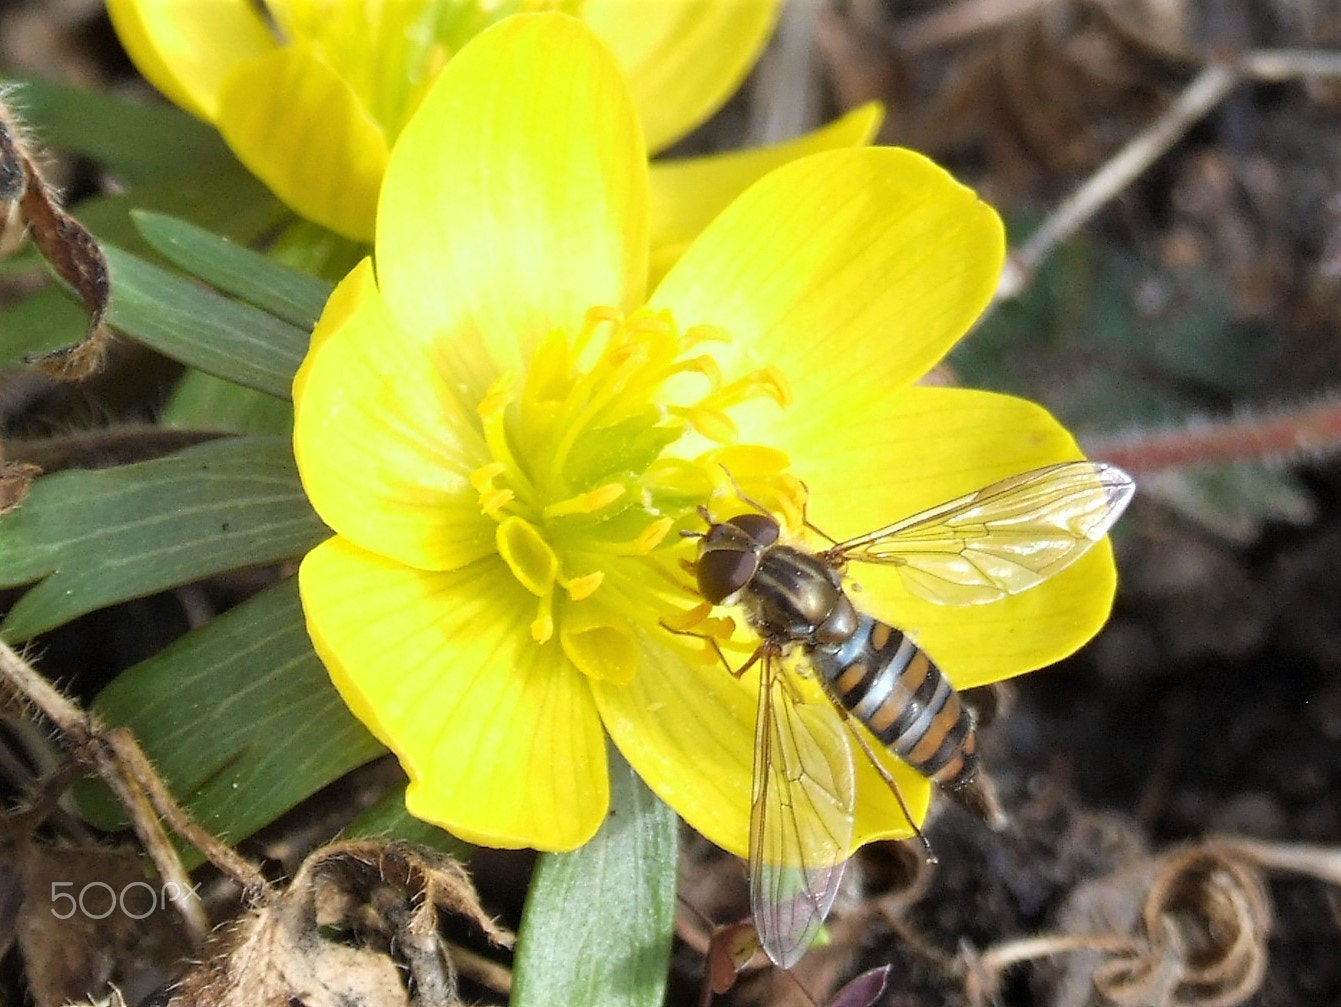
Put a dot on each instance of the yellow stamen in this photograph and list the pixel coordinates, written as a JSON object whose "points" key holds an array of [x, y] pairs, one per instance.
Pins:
{"points": [[653, 535], [582, 588], [587, 503]]}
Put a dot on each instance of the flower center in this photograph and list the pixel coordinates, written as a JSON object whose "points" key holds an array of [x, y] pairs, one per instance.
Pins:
{"points": [[580, 481]]}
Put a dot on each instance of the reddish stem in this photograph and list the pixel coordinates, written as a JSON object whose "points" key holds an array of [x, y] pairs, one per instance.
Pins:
{"points": [[1310, 430]]}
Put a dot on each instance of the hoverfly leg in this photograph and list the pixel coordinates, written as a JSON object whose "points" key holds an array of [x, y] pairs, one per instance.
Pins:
{"points": [[717, 649], [885, 775], [805, 518]]}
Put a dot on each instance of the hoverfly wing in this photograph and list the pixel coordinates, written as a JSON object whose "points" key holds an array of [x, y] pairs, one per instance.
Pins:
{"points": [[1002, 539], [801, 818]]}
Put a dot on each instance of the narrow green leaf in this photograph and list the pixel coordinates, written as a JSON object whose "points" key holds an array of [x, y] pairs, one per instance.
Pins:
{"points": [[225, 199], [388, 819], [239, 717], [139, 142], [97, 538], [597, 923], [200, 327], [203, 402], [43, 321], [295, 297]]}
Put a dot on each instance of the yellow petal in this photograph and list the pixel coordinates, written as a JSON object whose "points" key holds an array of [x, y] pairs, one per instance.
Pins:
{"points": [[500, 738], [688, 193], [688, 729], [302, 130], [516, 197], [853, 271], [922, 447], [187, 49], [384, 447], [683, 58]]}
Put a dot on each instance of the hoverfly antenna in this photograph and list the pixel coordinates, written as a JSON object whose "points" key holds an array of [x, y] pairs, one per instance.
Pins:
{"points": [[707, 519], [741, 493]]}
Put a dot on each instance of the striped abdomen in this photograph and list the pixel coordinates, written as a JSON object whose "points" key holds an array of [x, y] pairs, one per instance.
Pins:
{"points": [[892, 686]]}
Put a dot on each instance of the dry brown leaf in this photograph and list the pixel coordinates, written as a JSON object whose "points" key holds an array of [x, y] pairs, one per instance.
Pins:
{"points": [[383, 899], [90, 918], [66, 245], [15, 480], [1187, 928]]}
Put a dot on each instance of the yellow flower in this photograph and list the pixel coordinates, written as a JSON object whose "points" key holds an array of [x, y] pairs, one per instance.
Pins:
{"points": [[507, 432], [315, 116]]}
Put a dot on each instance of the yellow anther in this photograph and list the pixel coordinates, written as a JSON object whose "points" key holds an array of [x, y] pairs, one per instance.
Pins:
{"points": [[492, 502], [696, 334], [653, 535], [587, 503], [498, 396], [721, 627], [542, 626], [711, 423], [601, 314], [582, 588], [653, 322], [483, 477], [773, 383], [701, 364], [683, 622]]}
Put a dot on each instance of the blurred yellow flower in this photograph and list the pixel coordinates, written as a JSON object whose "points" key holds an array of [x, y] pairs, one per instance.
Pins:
{"points": [[506, 431], [311, 94]]}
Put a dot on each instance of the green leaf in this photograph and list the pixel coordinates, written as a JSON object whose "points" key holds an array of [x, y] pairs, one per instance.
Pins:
{"points": [[42, 321], [219, 335], [597, 923], [97, 538], [225, 198], [250, 276], [203, 402], [388, 819], [239, 717], [139, 142]]}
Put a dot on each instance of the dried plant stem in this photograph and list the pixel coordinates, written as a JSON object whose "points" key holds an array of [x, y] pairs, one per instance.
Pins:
{"points": [[1286, 64], [1322, 862], [1000, 957], [1205, 91], [479, 969], [118, 760], [959, 21], [1201, 95], [1304, 431]]}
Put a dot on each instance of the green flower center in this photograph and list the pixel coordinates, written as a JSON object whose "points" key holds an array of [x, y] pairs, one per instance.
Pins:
{"points": [[579, 478]]}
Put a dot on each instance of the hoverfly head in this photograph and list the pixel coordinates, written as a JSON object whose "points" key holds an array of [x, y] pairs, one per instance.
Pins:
{"points": [[729, 553]]}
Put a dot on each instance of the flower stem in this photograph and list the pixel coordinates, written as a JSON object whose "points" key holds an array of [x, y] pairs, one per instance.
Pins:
{"points": [[1310, 430]]}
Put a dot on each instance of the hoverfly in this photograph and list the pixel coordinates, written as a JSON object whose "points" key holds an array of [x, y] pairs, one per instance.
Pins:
{"points": [[1001, 540]]}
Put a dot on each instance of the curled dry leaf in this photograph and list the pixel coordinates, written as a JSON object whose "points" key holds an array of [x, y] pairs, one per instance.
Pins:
{"points": [[1202, 941], [64, 242], [382, 898], [15, 479], [1187, 928], [730, 950]]}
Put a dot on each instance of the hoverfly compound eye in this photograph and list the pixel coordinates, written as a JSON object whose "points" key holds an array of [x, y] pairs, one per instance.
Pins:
{"points": [[760, 527], [723, 572]]}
